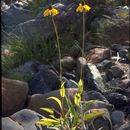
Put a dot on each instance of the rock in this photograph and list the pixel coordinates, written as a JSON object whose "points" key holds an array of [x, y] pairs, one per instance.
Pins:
{"points": [[67, 63], [97, 55], [70, 83], [69, 75], [126, 82], [100, 104], [115, 72], [9, 124], [119, 47], [28, 118], [117, 117], [81, 63], [117, 99], [40, 100], [93, 79], [123, 53], [28, 67], [19, 90], [116, 83], [45, 80], [125, 126], [104, 65], [103, 122], [13, 16], [93, 95]]}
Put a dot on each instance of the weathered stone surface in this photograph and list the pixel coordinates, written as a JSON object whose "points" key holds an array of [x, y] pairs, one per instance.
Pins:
{"points": [[97, 55], [44, 80], [117, 117], [67, 63], [117, 99], [9, 124], [102, 122], [14, 94], [13, 16], [93, 95], [93, 79], [126, 126], [28, 118]]}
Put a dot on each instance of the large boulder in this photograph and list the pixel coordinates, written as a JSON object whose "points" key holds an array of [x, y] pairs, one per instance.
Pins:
{"points": [[9, 124], [38, 101], [45, 80], [14, 94], [93, 79], [28, 118]]}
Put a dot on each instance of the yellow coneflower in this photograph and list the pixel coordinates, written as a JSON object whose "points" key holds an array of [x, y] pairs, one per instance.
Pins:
{"points": [[83, 7], [50, 12]]}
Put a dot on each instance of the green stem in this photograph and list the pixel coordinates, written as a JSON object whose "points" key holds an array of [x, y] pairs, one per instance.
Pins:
{"points": [[59, 51], [58, 43], [81, 72]]}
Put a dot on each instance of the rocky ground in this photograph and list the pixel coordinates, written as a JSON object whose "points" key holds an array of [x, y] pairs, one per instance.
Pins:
{"points": [[106, 71]]}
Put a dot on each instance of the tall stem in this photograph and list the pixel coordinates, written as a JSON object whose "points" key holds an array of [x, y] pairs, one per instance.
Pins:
{"points": [[58, 43], [81, 71]]}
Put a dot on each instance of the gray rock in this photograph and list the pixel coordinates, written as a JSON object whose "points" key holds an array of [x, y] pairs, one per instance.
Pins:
{"points": [[100, 104], [102, 122], [70, 83], [93, 95], [115, 72], [67, 63], [104, 65], [117, 117], [14, 95], [126, 82], [118, 47], [28, 118], [69, 75], [81, 63], [117, 99], [93, 79], [9, 124], [116, 83], [126, 126], [44, 81], [123, 53], [13, 16]]}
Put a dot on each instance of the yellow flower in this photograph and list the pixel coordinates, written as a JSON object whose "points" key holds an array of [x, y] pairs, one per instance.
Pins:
{"points": [[83, 7], [50, 11]]}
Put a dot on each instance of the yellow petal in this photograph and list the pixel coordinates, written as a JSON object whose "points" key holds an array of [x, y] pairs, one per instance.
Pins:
{"points": [[54, 12], [46, 12], [86, 7], [79, 8]]}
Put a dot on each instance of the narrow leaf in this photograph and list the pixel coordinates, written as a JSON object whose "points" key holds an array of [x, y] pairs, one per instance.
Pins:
{"points": [[62, 90], [57, 100], [93, 114], [49, 110]]}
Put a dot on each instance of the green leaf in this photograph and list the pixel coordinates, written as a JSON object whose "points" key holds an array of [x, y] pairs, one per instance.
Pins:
{"points": [[93, 114], [57, 100], [47, 122], [49, 110], [77, 99], [80, 84], [62, 90]]}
